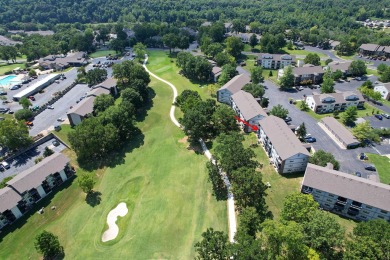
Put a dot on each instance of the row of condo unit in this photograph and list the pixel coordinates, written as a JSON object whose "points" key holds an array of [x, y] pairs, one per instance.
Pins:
{"points": [[229, 32], [347, 195], [329, 102], [369, 49], [85, 107], [338, 192], [23, 191], [61, 61], [284, 149]]}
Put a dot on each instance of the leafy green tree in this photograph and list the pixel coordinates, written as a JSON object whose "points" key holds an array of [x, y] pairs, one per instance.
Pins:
{"points": [[47, 152], [86, 182], [357, 68], [224, 58], [298, 207], [257, 75], [312, 58], [279, 111], [249, 190], [214, 245], [229, 161], [25, 102], [23, 114], [133, 96], [238, 25], [345, 48], [250, 221], [223, 120], [247, 247], [301, 131], [256, 90], [303, 106], [385, 76], [362, 248], [253, 41], [118, 45], [95, 76], [364, 131], [228, 72], [255, 27], [328, 61], [321, 158], [264, 102], [171, 40], [323, 233], [234, 46], [187, 99], [219, 188], [290, 45], [287, 80], [32, 73], [102, 102], [213, 49], [349, 116], [139, 50], [327, 85], [381, 68], [337, 75], [14, 134], [48, 244]]}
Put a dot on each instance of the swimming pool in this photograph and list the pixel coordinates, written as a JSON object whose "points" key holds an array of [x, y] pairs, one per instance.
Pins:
{"points": [[9, 80]]}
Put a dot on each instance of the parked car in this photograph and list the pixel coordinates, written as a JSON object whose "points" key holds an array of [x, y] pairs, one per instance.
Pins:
{"points": [[300, 88], [363, 156], [386, 115], [60, 119], [4, 110], [2, 92], [370, 168], [32, 98], [5, 165], [310, 140], [50, 107], [287, 119], [29, 123], [378, 116], [56, 143], [57, 127], [359, 174]]}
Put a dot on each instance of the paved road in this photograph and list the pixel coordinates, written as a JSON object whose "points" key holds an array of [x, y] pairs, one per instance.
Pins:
{"points": [[48, 118], [328, 53]]}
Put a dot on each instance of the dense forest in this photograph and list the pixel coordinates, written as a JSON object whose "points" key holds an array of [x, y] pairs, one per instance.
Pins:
{"points": [[329, 14]]}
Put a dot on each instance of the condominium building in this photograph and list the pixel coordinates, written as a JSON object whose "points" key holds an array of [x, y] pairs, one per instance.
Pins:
{"points": [[327, 103], [283, 148], [384, 89], [231, 87], [347, 195], [275, 61]]}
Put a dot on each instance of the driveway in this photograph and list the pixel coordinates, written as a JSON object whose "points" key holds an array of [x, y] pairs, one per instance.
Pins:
{"points": [[48, 118]]}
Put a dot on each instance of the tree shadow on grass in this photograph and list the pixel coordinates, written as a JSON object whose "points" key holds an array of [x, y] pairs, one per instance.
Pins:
{"points": [[93, 198], [143, 112], [45, 202]]}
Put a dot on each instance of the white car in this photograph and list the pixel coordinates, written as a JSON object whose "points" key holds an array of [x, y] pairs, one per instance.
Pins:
{"points": [[300, 88], [50, 107], [60, 119]]}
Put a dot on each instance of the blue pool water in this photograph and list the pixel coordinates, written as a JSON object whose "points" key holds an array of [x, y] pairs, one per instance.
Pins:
{"points": [[8, 80]]}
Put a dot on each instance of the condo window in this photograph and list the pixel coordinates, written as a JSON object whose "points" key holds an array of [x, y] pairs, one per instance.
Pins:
{"points": [[384, 211]]}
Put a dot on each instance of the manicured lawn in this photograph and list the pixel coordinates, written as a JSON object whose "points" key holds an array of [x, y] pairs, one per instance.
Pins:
{"points": [[382, 165], [386, 102], [303, 52], [165, 187], [350, 57], [249, 48], [101, 53], [63, 133], [10, 67], [372, 72]]}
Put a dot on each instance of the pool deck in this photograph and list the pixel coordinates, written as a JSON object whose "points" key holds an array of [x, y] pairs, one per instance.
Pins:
{"points": [[15, 80]]}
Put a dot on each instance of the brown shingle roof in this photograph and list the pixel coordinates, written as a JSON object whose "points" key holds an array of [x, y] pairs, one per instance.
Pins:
{"points": [[282, 138], [34, 176], [277, 57], [9, 198], [247, 104], [98, 91], [343, 66], [237, 83], [216, 70], [108, 83], [339, 130], [369, 47], [339, 97], [299, 71], [84, 107], [348, 186]]}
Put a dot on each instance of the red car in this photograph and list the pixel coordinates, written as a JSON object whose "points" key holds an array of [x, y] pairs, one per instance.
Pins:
{"points": [[32, 98]]}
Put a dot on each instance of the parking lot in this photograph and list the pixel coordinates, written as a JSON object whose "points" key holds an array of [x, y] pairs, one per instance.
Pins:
{"points": [[27, 159]]}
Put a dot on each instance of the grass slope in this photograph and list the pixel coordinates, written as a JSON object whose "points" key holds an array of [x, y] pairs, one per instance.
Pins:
{"points": [[166, 190], [9, 67], [104, 53], [382, 165]]}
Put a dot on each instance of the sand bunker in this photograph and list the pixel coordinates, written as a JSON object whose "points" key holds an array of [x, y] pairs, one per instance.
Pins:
{"points": [[113, 230]]}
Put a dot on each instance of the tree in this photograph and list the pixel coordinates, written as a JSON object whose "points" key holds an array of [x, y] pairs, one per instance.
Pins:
{"points": [[312, 58], [287, 80], [170, 40], [133, 96], [118, 45], [301, 131], [224, 58], [14, 134], [32, 73], [23, 114], [257, 75], [357, 68], [249, 190], [228, 72], [323, 233], [321, 158], [385, 76], [327, 85], [362, 248], [364, 131], [298, 207], [381, 68], [279, 111], [253, 41], [250, 221], [255, 27], [187, 99], [86, 182], [48, 244], [264, 102], [303, 106], [337, 75], [102, 102], [95, 76], [47, 152], [220, 190], [25, 102], [223, 120], [328, 61], [213, 49], [349, 116], [234, 46], [214, 245], [257, 91], [290, 45], [139, 50], [247, 247]]}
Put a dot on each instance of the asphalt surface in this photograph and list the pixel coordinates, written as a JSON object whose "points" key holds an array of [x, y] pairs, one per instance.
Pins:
{"points": [[27, 159]]}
